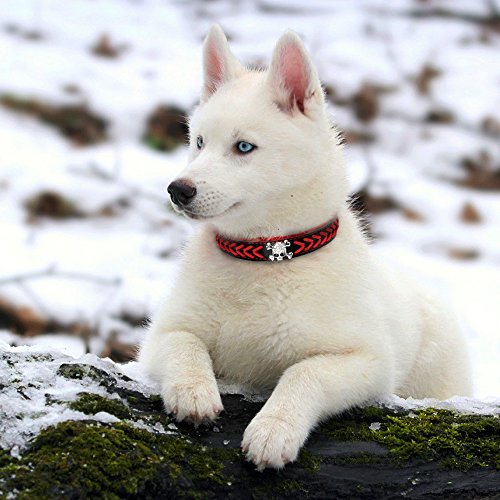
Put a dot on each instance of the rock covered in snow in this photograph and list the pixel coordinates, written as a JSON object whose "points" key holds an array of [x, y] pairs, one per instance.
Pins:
{"points": [[88, 428]]}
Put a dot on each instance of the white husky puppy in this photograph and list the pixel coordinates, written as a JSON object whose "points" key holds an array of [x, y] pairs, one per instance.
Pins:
{"points": [[326, 331]]}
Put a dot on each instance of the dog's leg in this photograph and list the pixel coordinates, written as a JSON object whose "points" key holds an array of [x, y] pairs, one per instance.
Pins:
{"points": [[307, 392], [181, 362]]}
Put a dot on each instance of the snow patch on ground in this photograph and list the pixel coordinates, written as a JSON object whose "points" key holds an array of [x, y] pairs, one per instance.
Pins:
{"points": [[458, 404], [33, 394]]}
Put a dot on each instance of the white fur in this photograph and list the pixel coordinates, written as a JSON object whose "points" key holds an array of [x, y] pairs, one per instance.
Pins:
{"points": [[326, 331]]}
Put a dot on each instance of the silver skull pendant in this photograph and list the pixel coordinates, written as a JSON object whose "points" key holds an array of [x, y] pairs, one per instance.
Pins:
{"points": [[278, 250]]}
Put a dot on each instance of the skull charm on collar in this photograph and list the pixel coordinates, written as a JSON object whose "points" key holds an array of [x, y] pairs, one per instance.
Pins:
{"points": [[278, 250]]}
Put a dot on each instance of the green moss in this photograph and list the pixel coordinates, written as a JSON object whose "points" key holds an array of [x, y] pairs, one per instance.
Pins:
{"points": [[90, 404], [81, 371], [5, 458], [156, 399], [95, 460], [166, 128], [157, 143], [39, 357], [458, 441], [310, 463], [291, 487], [88, 460], [132, 406]]}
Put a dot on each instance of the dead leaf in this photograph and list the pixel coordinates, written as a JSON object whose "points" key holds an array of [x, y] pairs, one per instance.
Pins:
{"points": [[118, 351], [364, 201], [470, 214], [490, 126], [481, 172], [21, 319], [425, 77], [439, 116], [357, 137], [463, 253], [104, 47], [365, 103], [413, 215]]}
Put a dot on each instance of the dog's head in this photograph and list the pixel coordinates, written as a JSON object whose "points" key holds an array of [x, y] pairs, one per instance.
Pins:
{"points": [[260, 141]]}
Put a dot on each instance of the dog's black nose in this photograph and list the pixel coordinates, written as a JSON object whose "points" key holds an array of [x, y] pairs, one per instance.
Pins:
{"points": [[181, 192]]}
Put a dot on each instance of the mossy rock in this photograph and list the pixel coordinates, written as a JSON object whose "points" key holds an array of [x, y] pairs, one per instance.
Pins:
{"points": [[95, 460], [138, 451]]}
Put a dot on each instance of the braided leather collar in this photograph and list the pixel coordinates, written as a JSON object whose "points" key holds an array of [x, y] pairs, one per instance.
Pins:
{"points": [[281, 247]]}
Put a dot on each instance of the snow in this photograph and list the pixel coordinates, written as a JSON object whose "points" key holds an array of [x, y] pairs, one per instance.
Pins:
{"points": [[33, 395], [66, 344], [457, 404], [103, 269]]}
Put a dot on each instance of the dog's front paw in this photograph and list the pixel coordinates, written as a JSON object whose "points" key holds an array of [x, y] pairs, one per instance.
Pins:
{"points": [[195, 400], [271, 441]]}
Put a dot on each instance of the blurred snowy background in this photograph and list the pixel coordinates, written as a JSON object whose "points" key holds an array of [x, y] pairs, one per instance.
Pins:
{"points": [[92, 95]]}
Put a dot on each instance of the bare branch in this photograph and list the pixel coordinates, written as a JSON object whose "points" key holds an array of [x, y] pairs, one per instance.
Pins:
{"points": [[98, 173], [53, 272], [490, 20]]}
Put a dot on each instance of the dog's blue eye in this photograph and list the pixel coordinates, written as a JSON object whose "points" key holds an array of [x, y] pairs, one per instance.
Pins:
{"points": [[199, 142], [244, 147]]}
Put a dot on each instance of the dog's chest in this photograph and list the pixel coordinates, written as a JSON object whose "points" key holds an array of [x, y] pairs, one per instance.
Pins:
{"points": [[267, 322]]}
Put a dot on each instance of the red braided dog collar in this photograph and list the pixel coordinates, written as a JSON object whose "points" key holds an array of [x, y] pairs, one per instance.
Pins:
{"points": [[280, 247]]}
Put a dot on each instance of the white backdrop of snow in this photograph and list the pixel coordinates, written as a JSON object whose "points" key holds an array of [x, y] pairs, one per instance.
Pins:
{"points": [[351, 43]]}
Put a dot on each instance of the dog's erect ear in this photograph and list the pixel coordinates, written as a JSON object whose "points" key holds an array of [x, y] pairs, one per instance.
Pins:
{"points": [[292, 75], [219, 64]]}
